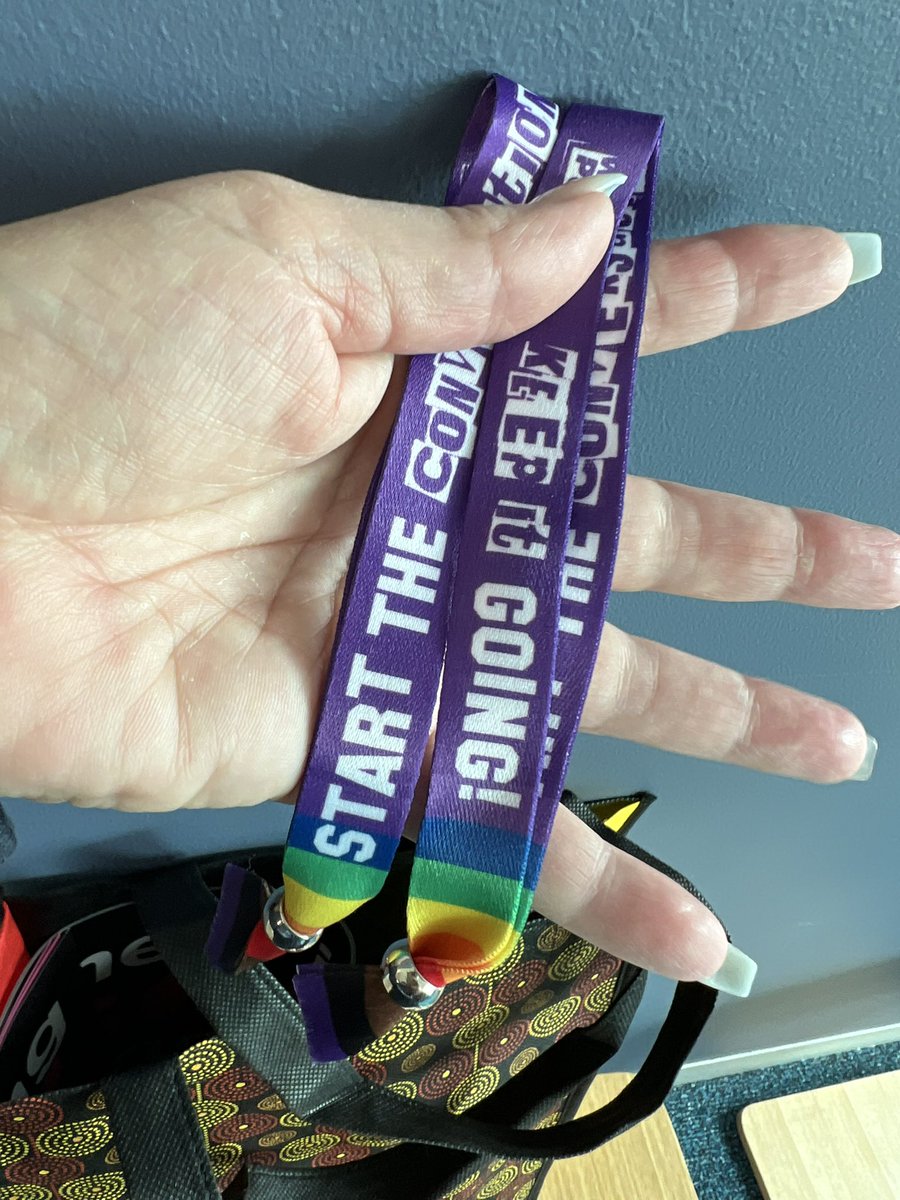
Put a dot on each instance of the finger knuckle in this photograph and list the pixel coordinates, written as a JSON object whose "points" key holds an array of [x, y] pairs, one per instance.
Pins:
{"points": [[727, 291], [744, 720], [483, 286], [777, 554], [257, 193], [631, 681], [355, 295]]}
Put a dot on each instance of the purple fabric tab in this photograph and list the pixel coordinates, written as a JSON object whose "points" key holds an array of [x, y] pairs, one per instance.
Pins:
{"points": [[312, 994], [238, 910]]}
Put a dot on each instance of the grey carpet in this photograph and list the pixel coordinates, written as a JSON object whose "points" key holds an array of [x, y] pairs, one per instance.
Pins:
{"points": [[705, 1114]]}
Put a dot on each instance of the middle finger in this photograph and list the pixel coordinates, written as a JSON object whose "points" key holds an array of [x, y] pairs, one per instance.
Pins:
{"points": [[715, 546], [744, 278]]}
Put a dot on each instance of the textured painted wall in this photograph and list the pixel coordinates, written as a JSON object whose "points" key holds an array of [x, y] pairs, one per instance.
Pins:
{"points": [[776, 112]]}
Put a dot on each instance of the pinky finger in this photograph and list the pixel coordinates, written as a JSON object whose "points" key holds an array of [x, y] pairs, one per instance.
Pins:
{"points": [[630, 909]]}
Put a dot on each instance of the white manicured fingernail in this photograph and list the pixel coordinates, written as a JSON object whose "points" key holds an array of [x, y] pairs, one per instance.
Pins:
{"points": [[607, 183], [866, 251], [868, 763], [586, 183], [736, 974]]}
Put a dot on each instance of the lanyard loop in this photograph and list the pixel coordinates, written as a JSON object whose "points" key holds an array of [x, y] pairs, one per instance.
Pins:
{"points": [[502, 483], [533, 580], [388, 654]]}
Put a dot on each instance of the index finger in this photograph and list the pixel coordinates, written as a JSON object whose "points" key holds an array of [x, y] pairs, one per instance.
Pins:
{"points": [[746, 278]]}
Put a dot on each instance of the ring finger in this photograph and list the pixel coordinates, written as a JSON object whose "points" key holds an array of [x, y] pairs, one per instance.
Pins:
{"points": [[646, 692]]}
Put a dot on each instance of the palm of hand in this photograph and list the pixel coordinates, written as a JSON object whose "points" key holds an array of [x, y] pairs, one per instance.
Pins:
{"points": [[191, 390], [177, 506]]}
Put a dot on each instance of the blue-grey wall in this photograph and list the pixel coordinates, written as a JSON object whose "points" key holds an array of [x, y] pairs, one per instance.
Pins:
{"points": [[776, 112]]}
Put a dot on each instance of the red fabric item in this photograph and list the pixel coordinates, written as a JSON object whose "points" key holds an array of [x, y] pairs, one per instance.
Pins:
{"points": [[260, 947], [13, 955]]}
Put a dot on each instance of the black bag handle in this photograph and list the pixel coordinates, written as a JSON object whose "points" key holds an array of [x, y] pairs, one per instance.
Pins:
{"points": [[256, 1016], [157, 1136], [394, 1116]]}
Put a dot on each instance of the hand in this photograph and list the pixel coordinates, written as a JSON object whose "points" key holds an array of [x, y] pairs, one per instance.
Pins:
{"points": [[191, 384]]}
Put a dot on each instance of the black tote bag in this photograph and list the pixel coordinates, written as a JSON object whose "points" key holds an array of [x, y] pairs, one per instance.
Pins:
{"points": [[141, 1072]]}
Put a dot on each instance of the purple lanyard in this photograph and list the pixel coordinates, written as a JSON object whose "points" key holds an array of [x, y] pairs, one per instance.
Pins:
{"points": [[386, 665], [502, 483], [534, 575]]}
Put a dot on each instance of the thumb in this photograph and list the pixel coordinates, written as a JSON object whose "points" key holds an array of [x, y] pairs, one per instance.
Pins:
{"points": [[410, 279]]}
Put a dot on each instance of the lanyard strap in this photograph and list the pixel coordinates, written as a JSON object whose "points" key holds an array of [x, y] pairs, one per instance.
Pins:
{"points": [[386, 665], [533, 578], [520, 524]]}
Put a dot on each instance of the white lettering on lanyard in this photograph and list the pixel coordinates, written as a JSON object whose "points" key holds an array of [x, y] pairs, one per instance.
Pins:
{"points": [[553, 723], [453, 400], [411, 582], [579, 569], [600, 440], [530, 139], [520, 529], [601, 435], [374, 737], [499, 703], [377, 723], [533, 425], [582, 161]]}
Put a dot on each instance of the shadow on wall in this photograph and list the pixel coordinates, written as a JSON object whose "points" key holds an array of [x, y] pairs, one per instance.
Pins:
{"points": [[127, 854], [58, 154], [123, 853]]}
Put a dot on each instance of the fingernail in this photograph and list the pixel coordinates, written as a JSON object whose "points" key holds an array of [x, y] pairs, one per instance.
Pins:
{"points": [[585, 183], [866, 251], [736, 974], [868, 763]]}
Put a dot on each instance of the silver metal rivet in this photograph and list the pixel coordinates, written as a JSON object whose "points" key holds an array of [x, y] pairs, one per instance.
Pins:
{"points": [[281, 933], [403, 981]]}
